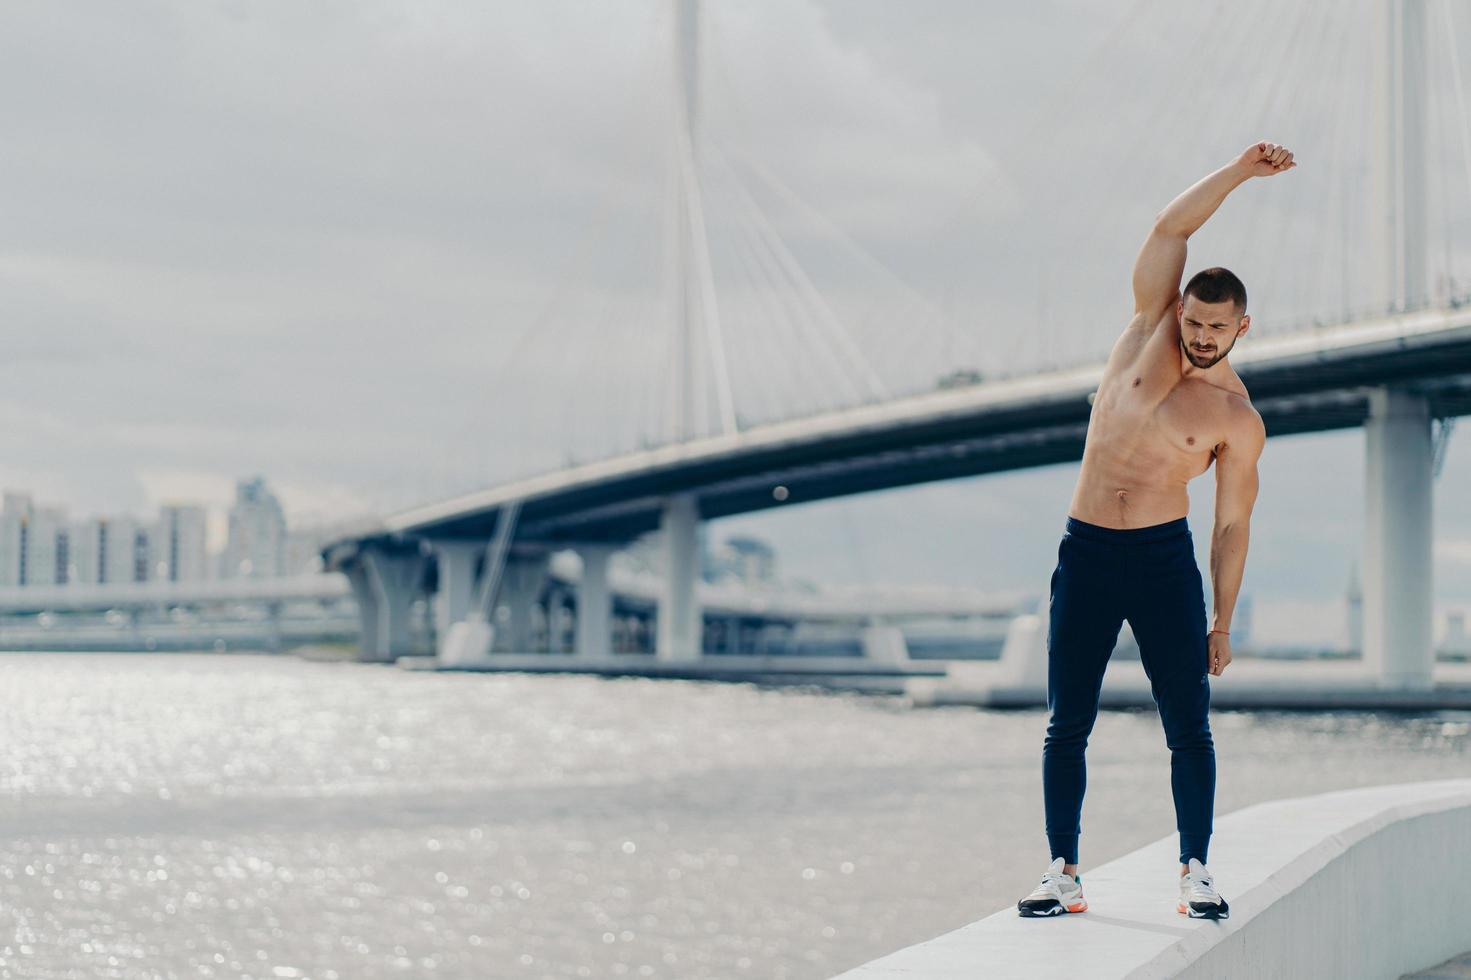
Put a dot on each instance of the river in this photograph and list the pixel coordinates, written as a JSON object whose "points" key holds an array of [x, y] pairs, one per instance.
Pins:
{"points": [[175, 815]]}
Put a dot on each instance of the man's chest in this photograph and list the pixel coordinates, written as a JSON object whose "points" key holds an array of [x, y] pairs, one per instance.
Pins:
{"points": [[1187, 420], [1189, 417]]}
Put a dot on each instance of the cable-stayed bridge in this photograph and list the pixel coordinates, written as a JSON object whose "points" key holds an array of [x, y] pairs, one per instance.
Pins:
{"points": [[750, 301]]}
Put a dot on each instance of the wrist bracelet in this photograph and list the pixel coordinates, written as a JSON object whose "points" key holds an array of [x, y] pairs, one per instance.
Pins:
{"points": [[1224, 632]]}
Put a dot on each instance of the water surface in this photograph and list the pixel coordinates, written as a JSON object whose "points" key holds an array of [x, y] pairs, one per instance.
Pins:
{"points": [[264, 817]]}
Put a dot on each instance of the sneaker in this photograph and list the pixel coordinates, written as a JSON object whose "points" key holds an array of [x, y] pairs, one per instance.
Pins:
{"points": [[1198, 896], [1058, 893]]}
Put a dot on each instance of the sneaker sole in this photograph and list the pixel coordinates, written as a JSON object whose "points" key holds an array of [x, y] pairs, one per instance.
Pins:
{"points": [[1211, 913], [1053, 911]]}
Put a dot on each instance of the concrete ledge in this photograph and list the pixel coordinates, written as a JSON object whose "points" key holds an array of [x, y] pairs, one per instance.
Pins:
{"points": [[1355, 883], [837, 673], [1247, 683], [715, 665]]}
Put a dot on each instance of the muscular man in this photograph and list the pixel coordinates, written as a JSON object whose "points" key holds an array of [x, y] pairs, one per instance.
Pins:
{"points": [[1168, 405]]}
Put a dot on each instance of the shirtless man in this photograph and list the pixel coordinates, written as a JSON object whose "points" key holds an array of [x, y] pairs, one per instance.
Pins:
{"points": [[1169, 403]]}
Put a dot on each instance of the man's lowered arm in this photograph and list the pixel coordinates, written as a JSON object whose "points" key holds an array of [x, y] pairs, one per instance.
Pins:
{"points": [[1236, 491]]}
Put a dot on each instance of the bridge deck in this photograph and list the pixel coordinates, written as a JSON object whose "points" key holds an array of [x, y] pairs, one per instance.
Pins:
{"points": [[1313, 380]]}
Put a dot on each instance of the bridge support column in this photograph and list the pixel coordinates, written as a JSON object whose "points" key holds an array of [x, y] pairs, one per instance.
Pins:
{"points": [[520, 590], [1398, 612], [680, 626], [594, 603], [392, 583], [559, 612], [274, 640], [456, 560], [367, 604]]}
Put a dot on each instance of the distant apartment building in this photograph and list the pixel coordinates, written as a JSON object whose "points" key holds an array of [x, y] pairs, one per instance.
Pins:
{"points": [[63, 554], [15, 515], [178, 543], [110, 550], [751, 560], [35, 542], [256, 547], [741, 558], [44, 547], [1456, 641], [1355, 605]]}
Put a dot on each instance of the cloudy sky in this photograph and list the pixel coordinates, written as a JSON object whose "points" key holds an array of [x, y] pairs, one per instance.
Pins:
{"points": [[386, 251]]}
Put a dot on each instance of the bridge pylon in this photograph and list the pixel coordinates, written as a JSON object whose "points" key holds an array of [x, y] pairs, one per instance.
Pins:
{"points": [[1398, 610], [697, 346]]}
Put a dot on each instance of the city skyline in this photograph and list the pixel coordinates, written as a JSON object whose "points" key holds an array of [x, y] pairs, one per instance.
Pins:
{"points": [[41, 544]]}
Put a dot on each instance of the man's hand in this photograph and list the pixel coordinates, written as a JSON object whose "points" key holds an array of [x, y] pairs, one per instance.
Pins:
{"points": [[1265, 159], [1218, 652]]}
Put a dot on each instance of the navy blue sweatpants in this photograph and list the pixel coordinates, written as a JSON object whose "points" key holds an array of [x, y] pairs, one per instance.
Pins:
{"points": [[1148, 576]]}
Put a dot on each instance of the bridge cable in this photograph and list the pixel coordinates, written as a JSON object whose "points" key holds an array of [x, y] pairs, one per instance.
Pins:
{"points": [[497, 550], [763, 306], [1439, 148], [765, 288], [709, 313], [824, 315], [786, 287], [1462, 116], [1336, 208], [1282, 202], [1442, 444], [857, 251]]}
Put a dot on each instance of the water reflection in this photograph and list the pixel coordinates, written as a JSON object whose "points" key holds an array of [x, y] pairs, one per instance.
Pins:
{"points": [[268, 817]]}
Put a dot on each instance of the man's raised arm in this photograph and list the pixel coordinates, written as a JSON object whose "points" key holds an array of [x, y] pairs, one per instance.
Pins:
{"points": [[1161, 261]]}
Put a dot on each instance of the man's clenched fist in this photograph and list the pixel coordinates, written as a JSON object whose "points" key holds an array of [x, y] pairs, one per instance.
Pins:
{"points": [[1265, 159]]}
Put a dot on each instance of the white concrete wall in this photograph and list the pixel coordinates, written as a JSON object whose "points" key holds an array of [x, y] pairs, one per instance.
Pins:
{"points": [[1357, 883]]}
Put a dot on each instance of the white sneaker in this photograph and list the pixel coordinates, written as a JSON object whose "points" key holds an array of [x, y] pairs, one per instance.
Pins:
{"points": [[1058, 893], [1198, 896]]}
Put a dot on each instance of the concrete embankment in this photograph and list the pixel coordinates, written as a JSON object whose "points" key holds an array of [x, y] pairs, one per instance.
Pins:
{"points": [[1354, 883]]}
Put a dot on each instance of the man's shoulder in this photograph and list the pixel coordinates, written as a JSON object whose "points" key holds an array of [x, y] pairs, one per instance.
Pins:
{"points": [[1244, 425]]}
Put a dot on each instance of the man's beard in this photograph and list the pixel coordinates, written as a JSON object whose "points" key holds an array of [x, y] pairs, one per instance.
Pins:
{"points": [[1203, 361]]}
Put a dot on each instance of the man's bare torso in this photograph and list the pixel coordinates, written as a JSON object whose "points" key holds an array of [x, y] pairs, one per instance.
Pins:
{"points": [[1157, 423]]}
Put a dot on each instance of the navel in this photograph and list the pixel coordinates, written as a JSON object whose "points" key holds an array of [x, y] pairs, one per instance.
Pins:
{"points": [[1136, 382]]}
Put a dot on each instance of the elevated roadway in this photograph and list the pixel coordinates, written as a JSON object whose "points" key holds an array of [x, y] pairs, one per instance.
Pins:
{"points": [[1309, 381], [1392, 375]]}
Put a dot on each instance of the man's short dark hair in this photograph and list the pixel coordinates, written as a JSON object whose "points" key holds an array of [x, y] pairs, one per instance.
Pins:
{"points": [[1216, 285]]}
